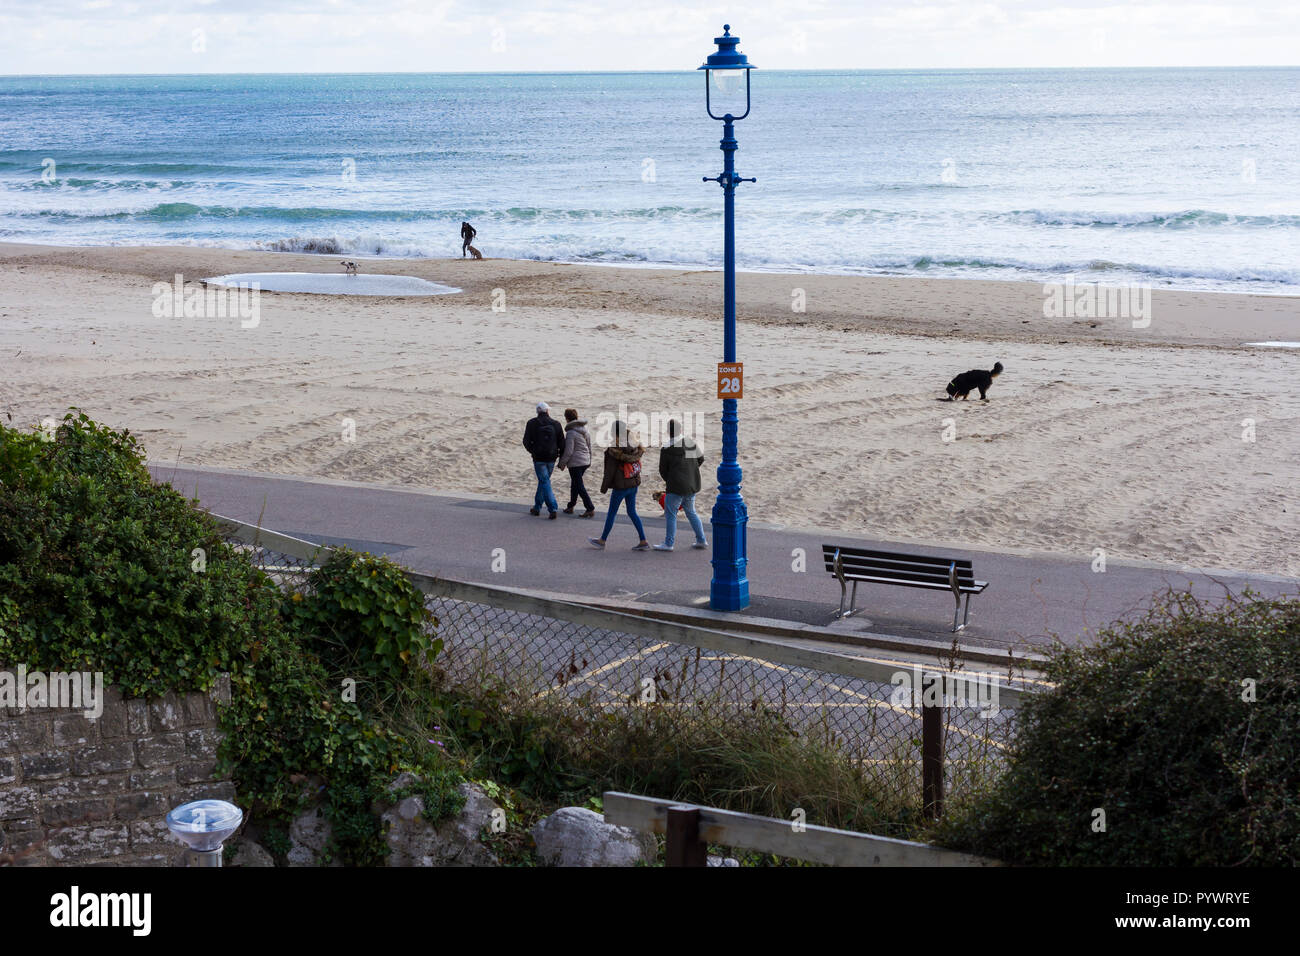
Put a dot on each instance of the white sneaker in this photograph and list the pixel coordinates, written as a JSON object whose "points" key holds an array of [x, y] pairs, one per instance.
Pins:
{"points": [[596, 542], [663, 547], [700, 545]]}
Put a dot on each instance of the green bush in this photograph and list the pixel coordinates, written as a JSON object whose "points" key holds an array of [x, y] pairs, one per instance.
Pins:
{"points": [[96, 565], [365, 617], [1155, 724], [99, 571]]}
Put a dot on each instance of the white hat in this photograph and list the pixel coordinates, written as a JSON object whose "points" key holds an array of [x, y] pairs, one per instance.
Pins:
{"points": [[543, 407]]}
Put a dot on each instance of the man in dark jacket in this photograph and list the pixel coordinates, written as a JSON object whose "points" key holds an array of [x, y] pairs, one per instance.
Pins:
{"points": [[544, 439], [679, 467]]}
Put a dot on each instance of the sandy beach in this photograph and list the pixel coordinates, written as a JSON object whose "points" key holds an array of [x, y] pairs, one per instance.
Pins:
{"points": [[1098, 435]]}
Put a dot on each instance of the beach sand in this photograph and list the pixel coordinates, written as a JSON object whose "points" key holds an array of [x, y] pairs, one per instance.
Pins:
{"points": [[1098, 435]]}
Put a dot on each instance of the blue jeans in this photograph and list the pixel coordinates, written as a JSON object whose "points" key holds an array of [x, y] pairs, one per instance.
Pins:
{"points": [[617, 497], [544, 496], [687, 502]]}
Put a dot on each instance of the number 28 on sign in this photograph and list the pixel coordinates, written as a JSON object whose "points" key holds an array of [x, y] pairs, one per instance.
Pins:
{"points": [[731, 379]]}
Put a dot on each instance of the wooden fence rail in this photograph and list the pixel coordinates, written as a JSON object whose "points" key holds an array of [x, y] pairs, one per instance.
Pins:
{"points": [[690, 829]]}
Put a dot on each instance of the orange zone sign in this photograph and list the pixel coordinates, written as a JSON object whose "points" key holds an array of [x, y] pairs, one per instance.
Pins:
{"points": [[731, 380]]}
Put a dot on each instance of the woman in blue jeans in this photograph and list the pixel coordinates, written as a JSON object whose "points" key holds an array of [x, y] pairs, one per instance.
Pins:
{"points": [[623, 477]]}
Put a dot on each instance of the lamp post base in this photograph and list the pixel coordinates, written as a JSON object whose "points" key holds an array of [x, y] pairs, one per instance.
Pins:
{"points": [[729, 595], [729, 589]]}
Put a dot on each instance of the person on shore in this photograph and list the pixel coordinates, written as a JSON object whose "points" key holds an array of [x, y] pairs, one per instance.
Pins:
{"points": [[679, 467], [467, 234], [622, 476], [577, 458], [544, 439]]}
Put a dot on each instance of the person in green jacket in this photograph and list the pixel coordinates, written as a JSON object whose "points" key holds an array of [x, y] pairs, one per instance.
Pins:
{"points": [[679, 467]]}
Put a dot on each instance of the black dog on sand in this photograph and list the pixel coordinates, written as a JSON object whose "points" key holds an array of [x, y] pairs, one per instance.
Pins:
{"points": [[976, 378]]}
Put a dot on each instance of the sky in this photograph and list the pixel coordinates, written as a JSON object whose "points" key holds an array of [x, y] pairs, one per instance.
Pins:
{"points": [[335, 36]]}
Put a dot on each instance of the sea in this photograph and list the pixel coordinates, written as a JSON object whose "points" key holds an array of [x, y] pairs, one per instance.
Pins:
{"points": [[1182, 178]]}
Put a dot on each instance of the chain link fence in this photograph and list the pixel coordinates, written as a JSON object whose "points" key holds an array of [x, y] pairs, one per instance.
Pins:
{"points": [[572, 655]]}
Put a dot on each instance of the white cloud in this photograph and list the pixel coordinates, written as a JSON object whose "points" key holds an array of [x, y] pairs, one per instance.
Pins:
{"points": [[106, 36]]}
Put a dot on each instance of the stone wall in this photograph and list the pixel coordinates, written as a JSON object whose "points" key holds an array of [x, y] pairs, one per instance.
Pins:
{"points": [[79, 790]]}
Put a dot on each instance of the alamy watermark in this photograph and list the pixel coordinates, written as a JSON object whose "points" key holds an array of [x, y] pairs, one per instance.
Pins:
{"points": [[912, 688], [75, 909], [648, 427], [194, 300], [1090, 300], [37, 690]]}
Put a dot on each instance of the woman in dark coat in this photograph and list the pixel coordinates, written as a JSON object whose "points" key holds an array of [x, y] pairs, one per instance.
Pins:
{"points": [[622, 476]]}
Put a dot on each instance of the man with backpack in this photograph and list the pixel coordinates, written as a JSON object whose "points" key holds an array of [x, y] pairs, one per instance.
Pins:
{"points": [[544, 439]]}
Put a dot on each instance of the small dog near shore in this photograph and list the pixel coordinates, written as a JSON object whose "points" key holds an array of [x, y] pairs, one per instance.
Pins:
{"points": [[475, 252], [349, 267], [976, 378]]}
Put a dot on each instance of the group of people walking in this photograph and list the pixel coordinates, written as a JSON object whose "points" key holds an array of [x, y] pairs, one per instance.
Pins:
{"points": [[568, 447]]}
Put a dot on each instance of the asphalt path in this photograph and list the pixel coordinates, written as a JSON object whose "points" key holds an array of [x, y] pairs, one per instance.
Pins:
{"points": [[1031, 597]]}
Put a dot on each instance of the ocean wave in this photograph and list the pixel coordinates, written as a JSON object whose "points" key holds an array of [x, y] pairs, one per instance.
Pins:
{"points": [[65, 208], [1187, 218], [1084, 270], [30, 163], [182, 211], [352, 246], [660, 250], [106, 185], [1182, 219]]}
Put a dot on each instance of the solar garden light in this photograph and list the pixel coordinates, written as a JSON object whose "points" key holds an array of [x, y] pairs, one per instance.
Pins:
{"points": [[726, 72], [203, 826]]}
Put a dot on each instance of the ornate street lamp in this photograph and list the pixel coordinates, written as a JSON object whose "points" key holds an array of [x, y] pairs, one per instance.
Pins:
{"points": [[726, 74]]}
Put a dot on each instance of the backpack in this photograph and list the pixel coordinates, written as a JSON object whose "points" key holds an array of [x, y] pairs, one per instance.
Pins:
{"points": [[547, 446], [631, 469]]}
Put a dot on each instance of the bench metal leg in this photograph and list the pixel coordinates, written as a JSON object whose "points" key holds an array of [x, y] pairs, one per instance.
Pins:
{"points": [[964, 616], [956, 596], [853, 601]]}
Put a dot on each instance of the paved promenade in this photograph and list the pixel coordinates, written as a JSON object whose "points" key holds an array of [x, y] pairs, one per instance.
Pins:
{"points": [[1029, 597]]}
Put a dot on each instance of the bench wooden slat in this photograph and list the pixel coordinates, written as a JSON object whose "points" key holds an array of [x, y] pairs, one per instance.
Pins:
{"points": [[975, 588], [901, 569], [941, 580], [847, 553]]}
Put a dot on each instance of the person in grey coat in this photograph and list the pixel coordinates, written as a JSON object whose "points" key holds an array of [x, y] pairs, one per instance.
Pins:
{"points": [[679, 467], [577, 458]]}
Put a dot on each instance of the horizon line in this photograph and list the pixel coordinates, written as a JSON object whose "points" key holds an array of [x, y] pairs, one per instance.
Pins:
{"points": [[828, 69]]}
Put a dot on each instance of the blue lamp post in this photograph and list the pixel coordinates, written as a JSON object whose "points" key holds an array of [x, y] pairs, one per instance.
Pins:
{"points": [[724, 71]]}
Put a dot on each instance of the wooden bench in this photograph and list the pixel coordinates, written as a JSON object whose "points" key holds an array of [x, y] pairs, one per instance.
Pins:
{"points": [[907, 570]]}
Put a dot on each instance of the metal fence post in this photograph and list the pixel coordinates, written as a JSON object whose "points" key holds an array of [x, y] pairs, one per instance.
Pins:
{"points": [[932, 745], [684, 847]]}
